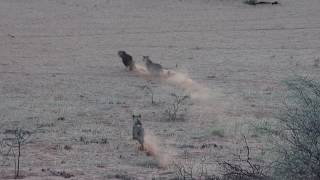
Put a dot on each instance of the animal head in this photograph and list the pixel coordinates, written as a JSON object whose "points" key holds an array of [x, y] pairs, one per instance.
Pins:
{"points": [[121, 53], [136, 117], [146, 59]]}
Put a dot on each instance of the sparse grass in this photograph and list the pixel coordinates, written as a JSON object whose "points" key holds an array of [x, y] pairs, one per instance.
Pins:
{"points": [[149, 163], [86, 140], [63, 174], [190, 169], [121, 176], [262, 128], [217, 132]]}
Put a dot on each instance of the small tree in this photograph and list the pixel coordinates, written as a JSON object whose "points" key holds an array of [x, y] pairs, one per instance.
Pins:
{"points": [[149, 91], [13, 143], [177, 106]]}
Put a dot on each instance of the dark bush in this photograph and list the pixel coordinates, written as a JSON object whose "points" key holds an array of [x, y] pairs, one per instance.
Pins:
{"points": [[298, 132]]}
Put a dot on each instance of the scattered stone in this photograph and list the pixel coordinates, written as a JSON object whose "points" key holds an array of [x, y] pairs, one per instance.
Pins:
{"points": [[187, 146], [208, 146], [58, 173], [61, 119], [100, 166], [204, 146], [11, 35], [211, 77], [67, 147], [84, 140], [255, 2]]}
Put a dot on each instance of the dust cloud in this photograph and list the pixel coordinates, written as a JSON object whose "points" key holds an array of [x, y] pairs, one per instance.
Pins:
{"points": [[165, 157], [197, 92], [181, 80]]}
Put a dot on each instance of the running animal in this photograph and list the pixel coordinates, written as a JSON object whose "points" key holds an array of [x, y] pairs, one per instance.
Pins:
{"points": [[153, 68], [265, 2], [255, 2], [127, 60], [137, 130]]}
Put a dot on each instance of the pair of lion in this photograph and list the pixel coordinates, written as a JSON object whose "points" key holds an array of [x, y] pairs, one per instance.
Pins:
{"points": [[153, 68]]}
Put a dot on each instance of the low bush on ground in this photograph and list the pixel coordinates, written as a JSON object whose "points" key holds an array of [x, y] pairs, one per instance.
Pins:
{"points": [[177, 108]]}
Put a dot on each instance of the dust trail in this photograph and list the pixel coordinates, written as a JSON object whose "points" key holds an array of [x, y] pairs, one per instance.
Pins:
{"points": [[182, 80], [203, 95], [196, 90], [153, 148], [141, 70]]}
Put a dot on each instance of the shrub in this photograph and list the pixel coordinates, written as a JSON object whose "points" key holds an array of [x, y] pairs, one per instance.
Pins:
{"points": [[191, 170], [250, 2], [298, 132], [177, 107], [244, 166]]}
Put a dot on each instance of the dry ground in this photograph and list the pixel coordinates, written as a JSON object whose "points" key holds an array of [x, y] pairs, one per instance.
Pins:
{"points": [[58, 58]]}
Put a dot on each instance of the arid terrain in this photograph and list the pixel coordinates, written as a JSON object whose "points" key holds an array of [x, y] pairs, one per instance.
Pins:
{"points": [[61, 79]]}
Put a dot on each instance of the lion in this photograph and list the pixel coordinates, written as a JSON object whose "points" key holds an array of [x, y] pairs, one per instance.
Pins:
{"points": [[153, 68], [137, 130], [127, 60]]}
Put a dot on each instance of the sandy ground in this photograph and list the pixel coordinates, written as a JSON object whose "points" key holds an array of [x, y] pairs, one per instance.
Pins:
{"points": [[58, 58]]}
